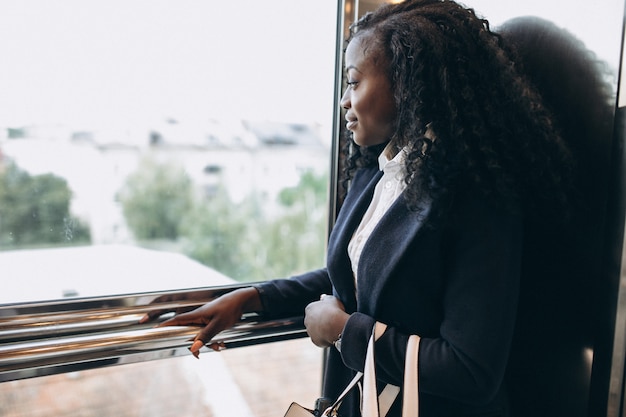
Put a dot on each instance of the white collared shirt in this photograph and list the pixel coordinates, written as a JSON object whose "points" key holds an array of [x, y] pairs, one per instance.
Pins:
{"points": [[387, 190]]}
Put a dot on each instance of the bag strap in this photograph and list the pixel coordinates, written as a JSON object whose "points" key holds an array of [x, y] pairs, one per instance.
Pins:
{"points": [[379, 329], [410, 399], [332, 410], [386, 398], [370, 395], [378, 406]]}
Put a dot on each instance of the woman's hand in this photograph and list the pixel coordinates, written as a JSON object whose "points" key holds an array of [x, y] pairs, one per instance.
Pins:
{"points": [[217, 315], [324, 320], [194, 298]]}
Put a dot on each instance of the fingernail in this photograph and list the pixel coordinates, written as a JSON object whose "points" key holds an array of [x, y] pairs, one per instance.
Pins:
{"points": [[195, 354], [195, 348], [217, 346]]}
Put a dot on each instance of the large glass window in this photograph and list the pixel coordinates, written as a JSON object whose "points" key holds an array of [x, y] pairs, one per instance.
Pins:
{"points": [[151, 145], [130, 129]]}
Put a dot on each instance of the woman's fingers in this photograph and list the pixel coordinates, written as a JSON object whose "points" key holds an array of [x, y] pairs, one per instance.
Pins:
{"points": [[151, 316], [204, 336], [195, 348], [212, 326], [215, 316], [193, 318], [324, 320], [157, 312]]}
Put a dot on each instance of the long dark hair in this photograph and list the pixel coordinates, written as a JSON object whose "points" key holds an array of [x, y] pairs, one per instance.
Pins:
{"points": [[452, 75]]}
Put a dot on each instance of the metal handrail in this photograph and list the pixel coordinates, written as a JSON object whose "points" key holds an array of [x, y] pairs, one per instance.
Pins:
{"points": [[46, 338]]}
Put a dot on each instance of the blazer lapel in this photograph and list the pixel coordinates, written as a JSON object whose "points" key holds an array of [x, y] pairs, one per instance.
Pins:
{"points": [[387, 244], [353, 209]]}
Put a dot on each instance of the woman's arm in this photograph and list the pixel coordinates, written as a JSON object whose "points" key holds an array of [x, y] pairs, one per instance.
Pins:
{"points": [[275, 298], [285, 297]]}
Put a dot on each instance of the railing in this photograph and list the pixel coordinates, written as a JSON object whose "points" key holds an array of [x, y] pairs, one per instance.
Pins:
{"points": [[46, 338]]}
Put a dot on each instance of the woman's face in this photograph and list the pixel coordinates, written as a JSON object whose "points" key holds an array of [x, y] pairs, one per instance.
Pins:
{"points": [[369, 104]]}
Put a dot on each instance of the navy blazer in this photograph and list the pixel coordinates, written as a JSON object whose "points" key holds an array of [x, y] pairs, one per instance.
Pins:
{"points": [[454, 283]]}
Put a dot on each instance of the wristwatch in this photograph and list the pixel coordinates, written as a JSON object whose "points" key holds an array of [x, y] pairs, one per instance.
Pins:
{"points": [[337, 343]]}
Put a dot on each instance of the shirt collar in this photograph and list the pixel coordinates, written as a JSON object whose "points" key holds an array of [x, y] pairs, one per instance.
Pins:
{"points": [[385, 164]]}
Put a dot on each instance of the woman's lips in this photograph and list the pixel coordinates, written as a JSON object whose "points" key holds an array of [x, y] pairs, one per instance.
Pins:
{"points": [[350, 123]]}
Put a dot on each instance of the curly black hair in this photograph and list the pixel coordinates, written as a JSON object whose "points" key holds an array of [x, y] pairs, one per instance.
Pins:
{"points": [[452, 75]]}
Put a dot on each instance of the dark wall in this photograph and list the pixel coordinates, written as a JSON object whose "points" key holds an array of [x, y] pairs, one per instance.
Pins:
{"points": [[560, 362]]}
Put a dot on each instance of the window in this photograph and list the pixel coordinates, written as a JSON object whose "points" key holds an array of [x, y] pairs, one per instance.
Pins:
{"points": [[157, 145], [130, 129]]}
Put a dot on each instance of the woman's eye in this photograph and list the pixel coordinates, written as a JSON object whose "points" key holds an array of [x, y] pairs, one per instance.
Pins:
{"points": [[352, 83]]}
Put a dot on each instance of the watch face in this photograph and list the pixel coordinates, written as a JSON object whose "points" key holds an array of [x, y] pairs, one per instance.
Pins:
{"points": [[337, 344]]}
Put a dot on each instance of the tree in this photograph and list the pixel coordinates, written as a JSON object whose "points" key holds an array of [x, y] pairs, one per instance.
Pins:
{"points": [[36, 210], [218, 234], [296, 241], [241, 241], [155, 199]]}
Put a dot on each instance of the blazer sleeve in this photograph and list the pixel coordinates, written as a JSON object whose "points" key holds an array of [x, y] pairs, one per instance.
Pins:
{"points": [[286, 297], [466, 361]]}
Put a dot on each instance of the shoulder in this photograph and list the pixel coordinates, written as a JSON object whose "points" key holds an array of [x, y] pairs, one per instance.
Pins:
{"points": [[475, 218], [473, 206]]}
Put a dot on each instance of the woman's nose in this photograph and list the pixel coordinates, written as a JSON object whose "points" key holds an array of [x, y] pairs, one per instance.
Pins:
{"points": [[345, 99]]}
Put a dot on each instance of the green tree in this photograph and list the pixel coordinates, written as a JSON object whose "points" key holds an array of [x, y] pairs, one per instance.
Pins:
{"points": [[296, 241], [217, 233], [312, 191], [245, 243], [239, 240], [155, 199], [35, 210]]}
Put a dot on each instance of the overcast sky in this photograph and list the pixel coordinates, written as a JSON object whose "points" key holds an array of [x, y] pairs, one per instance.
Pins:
{"points": [[135, 61], [83, 61]]}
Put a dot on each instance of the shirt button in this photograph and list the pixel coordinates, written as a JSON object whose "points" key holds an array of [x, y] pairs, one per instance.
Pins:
{"points": [[388, 185]]}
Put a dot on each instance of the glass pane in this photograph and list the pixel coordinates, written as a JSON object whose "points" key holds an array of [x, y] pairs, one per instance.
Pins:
{"points": [[149, 145], [156, 144]]}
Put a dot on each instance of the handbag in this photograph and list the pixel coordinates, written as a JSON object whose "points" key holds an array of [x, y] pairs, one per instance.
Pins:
{"points": [[374, 405]]}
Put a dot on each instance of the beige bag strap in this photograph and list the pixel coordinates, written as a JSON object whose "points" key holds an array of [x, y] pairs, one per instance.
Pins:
{"points": [[386, 399], [378, 406], [370, 394], [410, 399], [331, 411], [379, 329]]}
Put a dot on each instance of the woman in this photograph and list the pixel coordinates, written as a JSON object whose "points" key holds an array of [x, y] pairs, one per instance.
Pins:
{"points": [[450, 152]]}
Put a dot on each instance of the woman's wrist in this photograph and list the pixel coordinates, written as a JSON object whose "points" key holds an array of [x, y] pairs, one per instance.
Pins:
{"points": [[250, 299], [339, 324]]}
